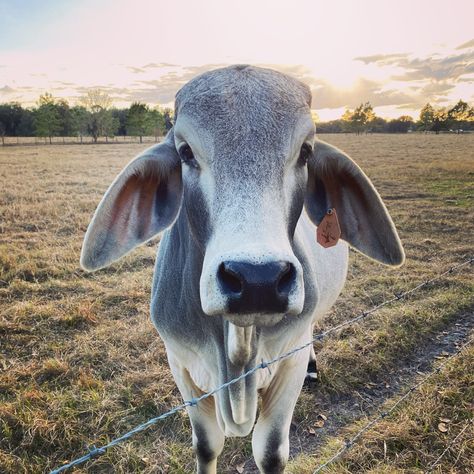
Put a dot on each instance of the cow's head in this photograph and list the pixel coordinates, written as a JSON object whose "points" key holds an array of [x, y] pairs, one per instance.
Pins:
{"points": [[241, 162]]}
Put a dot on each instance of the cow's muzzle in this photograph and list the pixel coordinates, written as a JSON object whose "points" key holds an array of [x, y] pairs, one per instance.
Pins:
{"points": [[256, 288], [259, 288]]}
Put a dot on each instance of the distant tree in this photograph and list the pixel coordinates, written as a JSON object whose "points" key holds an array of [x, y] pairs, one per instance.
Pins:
{"points": [[98, 104], [26, 127], [168, 116], [3, 131], [440, 120], [10, 117], [120, 115], [357, 121], [65, 117], [139, 120], [47, 119], [426, 117], [347, 123], [461, 116], [110, 125], [377, 125], [157, 122], [80, 121], [333, 126], [401, 124]]}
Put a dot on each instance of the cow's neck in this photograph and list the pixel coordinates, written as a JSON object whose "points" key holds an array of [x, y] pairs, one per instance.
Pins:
{"points": [[235, 345]]}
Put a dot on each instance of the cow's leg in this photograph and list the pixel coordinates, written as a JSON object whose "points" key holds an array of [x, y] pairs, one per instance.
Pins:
{"points": [[270, 441], [312, 371], [208, 438]]}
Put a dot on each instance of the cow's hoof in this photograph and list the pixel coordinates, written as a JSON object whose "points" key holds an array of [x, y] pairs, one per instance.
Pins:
{"points": [[311, 374]]}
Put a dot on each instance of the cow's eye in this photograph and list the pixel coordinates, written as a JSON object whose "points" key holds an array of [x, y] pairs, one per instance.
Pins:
{"points": [[187, 156], [305, 153]]}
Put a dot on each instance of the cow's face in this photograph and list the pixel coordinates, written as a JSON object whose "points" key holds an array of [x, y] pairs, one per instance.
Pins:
{"points": [[244, 136], [240, 162]]}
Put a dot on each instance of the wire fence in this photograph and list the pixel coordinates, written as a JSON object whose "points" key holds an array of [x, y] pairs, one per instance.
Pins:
{"points": [[450, 445], [349, 443], [97, 451], [77, 140]]}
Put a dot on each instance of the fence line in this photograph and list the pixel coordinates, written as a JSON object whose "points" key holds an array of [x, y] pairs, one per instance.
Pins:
{"points": [[450, 445], [97, 451], [349, 443]]}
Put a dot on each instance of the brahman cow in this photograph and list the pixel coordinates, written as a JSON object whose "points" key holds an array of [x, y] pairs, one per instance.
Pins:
{"points": [[240, 184]]}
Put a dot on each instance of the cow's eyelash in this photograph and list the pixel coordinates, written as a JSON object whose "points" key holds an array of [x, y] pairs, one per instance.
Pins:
{"points": [[187, 156]]}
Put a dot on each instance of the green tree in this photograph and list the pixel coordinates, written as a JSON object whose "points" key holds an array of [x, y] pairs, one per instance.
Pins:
{"points": [[65, 117], [168, 116], [79, 121], [358, 120], [98, 104], [110, 125], [401, 124], [47, 119], [440, 120], [377, 125], [158, 123], [426, 117], [461, 116], [11, 115], [139, 120], [3, 132]]}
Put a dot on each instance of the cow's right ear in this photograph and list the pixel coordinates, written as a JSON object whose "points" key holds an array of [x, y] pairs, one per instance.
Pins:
{"points": [[144, 199]]}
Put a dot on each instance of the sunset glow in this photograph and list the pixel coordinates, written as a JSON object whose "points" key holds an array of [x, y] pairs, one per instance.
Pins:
{"points": [[397, 55]]}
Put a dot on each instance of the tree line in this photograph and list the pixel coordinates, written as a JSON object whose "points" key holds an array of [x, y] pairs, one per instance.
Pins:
{"points": [[458, 118], [94, 116]]}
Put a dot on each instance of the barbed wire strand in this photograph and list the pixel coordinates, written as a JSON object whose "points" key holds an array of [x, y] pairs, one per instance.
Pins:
{"points": [[97, 451], [349, 443], [450, 445]]}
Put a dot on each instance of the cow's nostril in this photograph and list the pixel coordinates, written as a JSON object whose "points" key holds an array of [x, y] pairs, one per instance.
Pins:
{"points": [[286, 280], [230, 281]]}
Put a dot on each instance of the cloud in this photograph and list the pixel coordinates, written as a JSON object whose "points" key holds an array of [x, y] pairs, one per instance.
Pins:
{"points": [[159, 65], [450, 67], [467, 44], [135, 70], [381, 58], [438, 69], [326, 95], [7, 90]]}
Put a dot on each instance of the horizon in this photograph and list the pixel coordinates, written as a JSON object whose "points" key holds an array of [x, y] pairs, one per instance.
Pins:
{"points": [[138, 54]]}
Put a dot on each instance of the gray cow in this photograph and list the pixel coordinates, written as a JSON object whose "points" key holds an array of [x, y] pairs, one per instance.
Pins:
{"points": [[240, 183]]}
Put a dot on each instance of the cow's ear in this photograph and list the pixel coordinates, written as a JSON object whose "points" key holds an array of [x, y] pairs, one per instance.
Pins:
{"points": [[144, 199], [335, 181]]}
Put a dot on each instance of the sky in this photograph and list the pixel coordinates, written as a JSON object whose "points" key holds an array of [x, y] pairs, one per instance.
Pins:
{"points": [[397, 55]]}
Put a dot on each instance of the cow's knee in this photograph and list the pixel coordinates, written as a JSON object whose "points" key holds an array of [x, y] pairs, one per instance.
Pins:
{"points": [[207, 447], [271, 451]]}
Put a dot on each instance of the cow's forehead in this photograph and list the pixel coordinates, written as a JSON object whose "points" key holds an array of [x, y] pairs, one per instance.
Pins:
{"points": [[243, 94]]}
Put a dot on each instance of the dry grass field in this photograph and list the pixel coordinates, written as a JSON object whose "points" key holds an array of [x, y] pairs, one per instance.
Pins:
{"points": [[80, 362]]}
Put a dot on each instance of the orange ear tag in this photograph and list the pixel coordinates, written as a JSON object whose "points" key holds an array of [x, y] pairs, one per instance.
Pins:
{"points": [[329, 232]]}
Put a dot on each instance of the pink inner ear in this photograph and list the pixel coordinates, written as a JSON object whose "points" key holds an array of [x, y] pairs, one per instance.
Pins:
{"points": [[132, 210]]}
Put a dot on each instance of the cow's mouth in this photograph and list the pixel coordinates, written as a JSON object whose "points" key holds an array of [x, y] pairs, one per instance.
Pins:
{"points": [[255, 319]]}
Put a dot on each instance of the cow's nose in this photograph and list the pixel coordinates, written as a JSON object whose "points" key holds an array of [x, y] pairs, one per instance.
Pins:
{"points": [[257, 288]]}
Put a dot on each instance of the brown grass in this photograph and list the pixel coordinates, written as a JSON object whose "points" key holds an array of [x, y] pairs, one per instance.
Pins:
{"points": [[80, 361]]}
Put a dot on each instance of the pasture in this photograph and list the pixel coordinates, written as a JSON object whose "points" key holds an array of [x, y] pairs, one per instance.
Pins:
{"points": [[80, 362]]}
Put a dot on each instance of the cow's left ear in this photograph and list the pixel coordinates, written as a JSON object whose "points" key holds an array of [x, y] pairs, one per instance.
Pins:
{"points": [[335, 181], [143, 200]]}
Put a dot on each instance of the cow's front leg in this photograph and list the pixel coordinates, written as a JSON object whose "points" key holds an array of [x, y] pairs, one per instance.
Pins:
{"points": [[312, 370], [208, 438], [270, 441]]}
